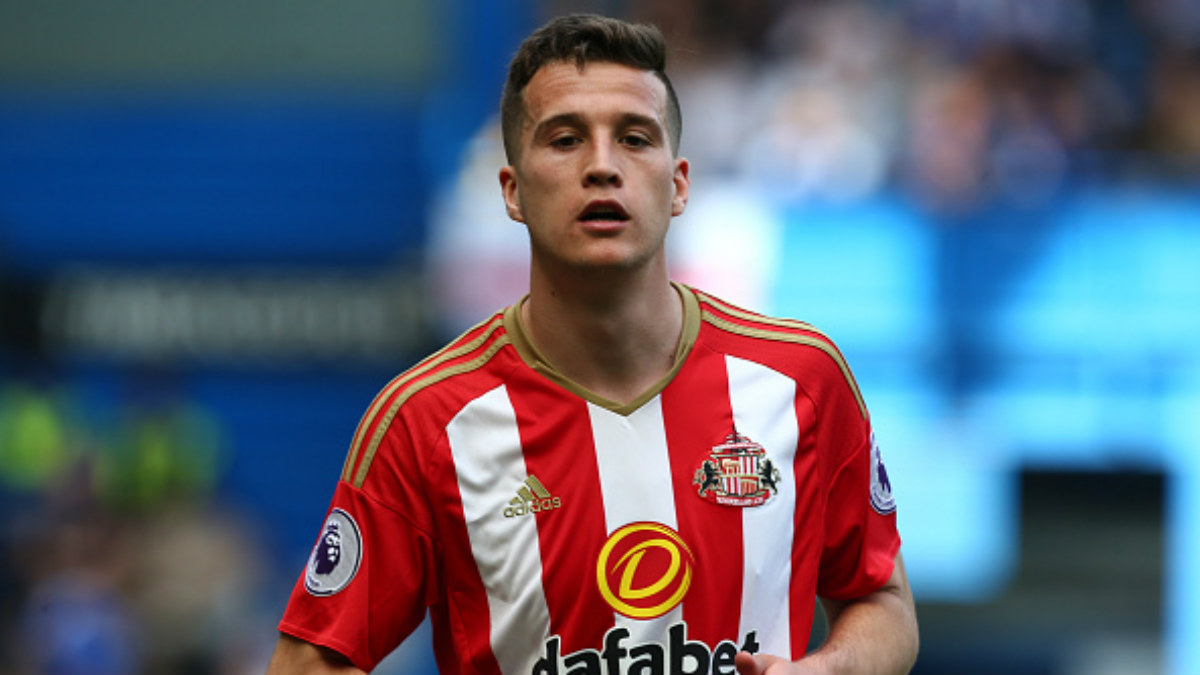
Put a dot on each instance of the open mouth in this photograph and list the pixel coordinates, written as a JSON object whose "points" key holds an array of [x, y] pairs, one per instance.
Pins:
{"points": [[604, 211]]}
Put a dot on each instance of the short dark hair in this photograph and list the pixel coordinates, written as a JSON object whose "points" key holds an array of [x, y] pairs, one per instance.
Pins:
{"points": [[585, 38]]}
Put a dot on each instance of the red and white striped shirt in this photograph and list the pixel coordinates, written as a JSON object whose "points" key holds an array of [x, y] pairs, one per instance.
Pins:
{"points": [[549, 530]]}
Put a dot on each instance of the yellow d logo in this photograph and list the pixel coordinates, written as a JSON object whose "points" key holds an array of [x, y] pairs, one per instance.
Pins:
{"points": [[644, 570]]}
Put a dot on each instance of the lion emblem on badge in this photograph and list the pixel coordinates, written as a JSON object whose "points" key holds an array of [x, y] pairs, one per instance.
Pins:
{"points": [[329, 550]]}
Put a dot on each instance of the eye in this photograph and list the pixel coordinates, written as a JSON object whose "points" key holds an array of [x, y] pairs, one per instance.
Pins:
{"points": [[565, 141], [636, 140]]}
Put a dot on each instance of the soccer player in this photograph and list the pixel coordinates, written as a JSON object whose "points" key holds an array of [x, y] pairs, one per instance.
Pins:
{"points": [[618, 474]]}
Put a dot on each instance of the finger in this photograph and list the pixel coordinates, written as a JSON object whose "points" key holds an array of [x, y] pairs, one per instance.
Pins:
{"points": [[746, 664]]}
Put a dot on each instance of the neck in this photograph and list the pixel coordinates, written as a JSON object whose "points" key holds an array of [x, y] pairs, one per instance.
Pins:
{"points": [[614, 334]]}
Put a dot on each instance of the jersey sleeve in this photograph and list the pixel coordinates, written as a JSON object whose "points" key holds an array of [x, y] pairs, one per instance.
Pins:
{"points": [[860, 536], [366, 584]]}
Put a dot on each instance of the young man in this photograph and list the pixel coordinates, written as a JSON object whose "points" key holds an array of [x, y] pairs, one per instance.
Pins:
{"points": [[618, 474]]}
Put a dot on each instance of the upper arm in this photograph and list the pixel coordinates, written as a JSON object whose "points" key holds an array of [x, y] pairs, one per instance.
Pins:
{"points": [[895, 587], [293, 655]]}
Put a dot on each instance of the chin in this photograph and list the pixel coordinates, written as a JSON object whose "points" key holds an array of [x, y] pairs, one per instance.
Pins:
{"points": [[600, 257]]}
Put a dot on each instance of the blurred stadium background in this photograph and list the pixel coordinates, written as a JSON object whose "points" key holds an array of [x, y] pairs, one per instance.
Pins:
{"points": [[224, 225]]}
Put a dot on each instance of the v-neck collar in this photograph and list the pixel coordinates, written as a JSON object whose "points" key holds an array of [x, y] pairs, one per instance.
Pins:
{"points": [[533, 358]]}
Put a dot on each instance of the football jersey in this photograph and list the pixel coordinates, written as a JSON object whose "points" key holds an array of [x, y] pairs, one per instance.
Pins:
{"points": [[549, 530]]}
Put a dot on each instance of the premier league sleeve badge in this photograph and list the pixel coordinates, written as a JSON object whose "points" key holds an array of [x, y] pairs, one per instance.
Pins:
{"points": [[881, 486], [336, 556]]}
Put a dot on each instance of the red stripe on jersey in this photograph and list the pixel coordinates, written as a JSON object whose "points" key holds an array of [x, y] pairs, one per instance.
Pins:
{"points": [[560, 451], [713, 532], [808, 530]]}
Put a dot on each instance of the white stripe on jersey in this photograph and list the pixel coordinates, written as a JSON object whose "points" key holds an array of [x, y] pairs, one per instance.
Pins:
{"points": [[487, 454], [635, 480], [763, 409]]}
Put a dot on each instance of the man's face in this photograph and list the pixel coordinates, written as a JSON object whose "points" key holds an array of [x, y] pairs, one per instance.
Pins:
{"points": [[595, 182]]}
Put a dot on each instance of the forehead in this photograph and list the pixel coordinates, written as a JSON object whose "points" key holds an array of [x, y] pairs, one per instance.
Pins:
{"points": [[562, 87]]}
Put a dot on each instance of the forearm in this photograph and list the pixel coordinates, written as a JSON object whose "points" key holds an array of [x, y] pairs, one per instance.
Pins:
{"points": [[874, 634]]}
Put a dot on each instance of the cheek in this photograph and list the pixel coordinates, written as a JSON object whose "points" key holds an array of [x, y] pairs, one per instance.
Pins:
{"points": [[542, 191]]}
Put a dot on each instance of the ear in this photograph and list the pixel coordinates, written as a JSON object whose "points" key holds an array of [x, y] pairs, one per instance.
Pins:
{"points": [[682, 185], [512, 198]]}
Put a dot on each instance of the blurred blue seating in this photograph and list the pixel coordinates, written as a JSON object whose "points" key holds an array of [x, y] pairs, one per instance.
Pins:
{"points": [[223, 180]]}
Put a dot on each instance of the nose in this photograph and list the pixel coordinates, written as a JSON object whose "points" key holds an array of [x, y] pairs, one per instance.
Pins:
{"points": [[602, 167]]}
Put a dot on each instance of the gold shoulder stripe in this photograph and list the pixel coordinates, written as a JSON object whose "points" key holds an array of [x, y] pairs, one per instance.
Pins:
{"points": [[780, 336], [432, 361], [740, 313], [445, 373]]}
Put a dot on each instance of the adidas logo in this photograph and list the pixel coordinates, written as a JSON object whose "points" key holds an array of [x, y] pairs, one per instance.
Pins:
{"points": [[532, 497]]}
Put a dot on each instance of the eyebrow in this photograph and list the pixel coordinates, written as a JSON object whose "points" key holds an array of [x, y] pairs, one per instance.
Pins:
{"points": [[577, 120], [560, 120]]}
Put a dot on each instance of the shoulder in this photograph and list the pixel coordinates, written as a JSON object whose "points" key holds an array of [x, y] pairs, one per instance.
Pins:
{"points": [[430, 393], [793, 347], [732, 323], [469, 358]]}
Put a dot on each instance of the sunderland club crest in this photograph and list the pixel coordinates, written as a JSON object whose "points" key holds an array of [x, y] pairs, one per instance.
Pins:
{"points": [[737, 473]]}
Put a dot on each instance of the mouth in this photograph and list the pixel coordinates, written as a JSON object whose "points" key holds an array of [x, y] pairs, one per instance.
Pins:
{"points": [[604, 211]]}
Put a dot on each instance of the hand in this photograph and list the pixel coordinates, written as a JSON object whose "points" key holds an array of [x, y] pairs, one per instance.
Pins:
{"points": [[765, 664]]}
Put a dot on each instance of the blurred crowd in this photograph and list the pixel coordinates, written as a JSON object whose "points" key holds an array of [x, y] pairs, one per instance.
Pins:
{"points": [[959, 103], [113, 554]]}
